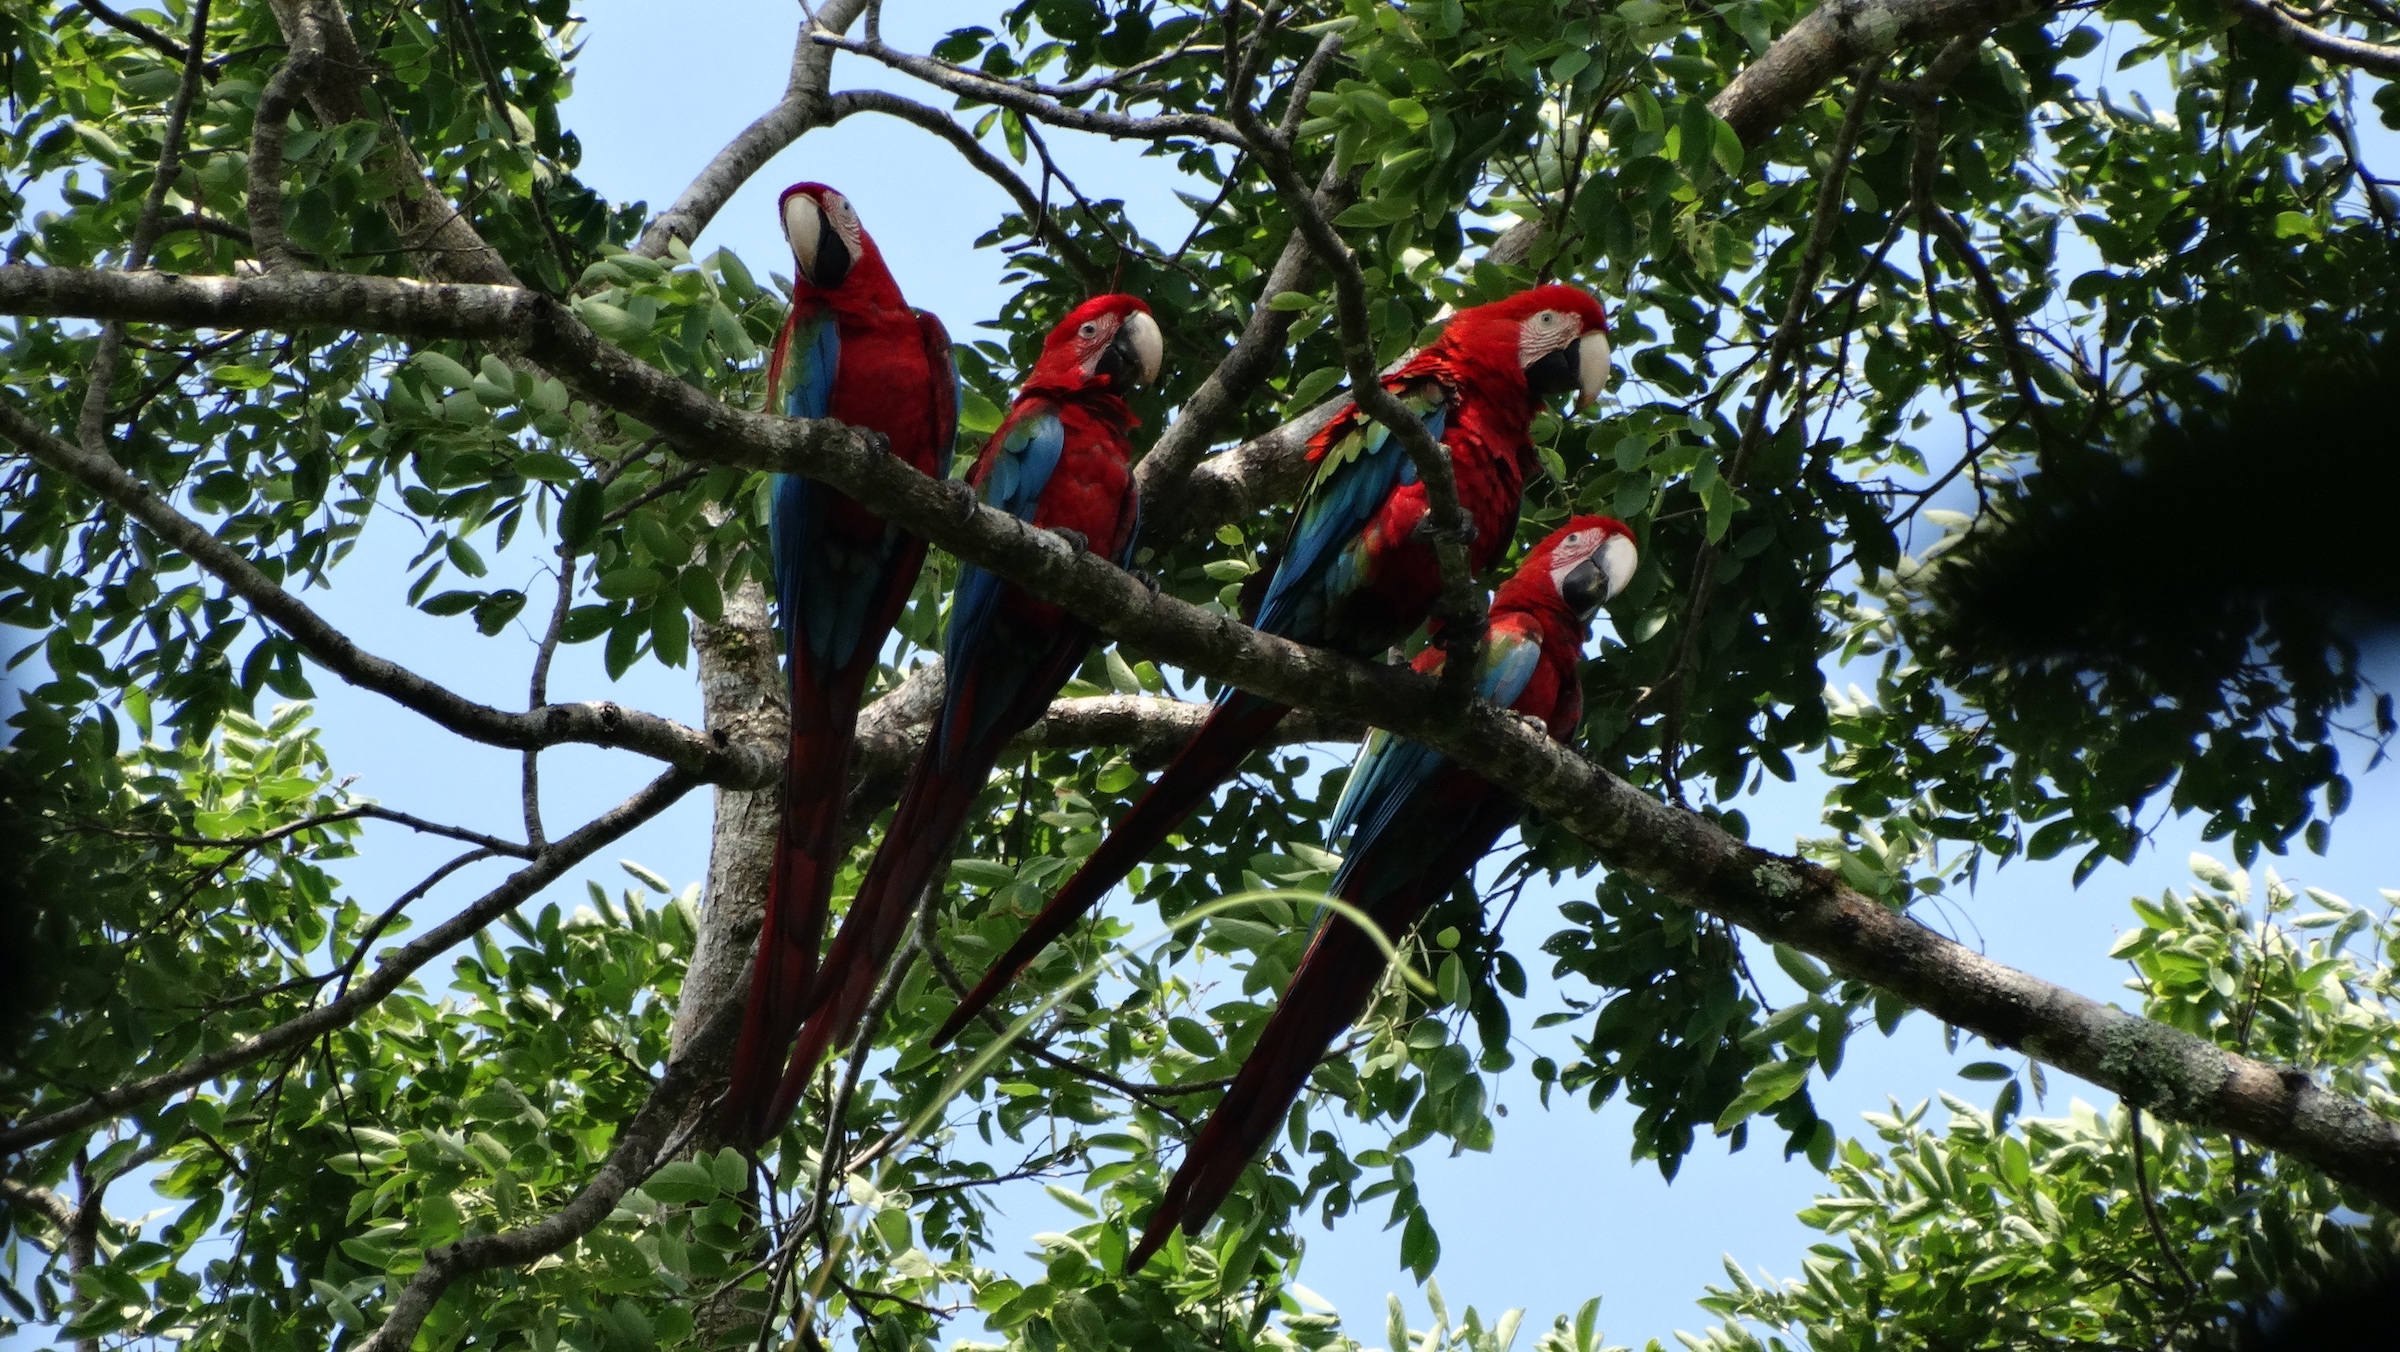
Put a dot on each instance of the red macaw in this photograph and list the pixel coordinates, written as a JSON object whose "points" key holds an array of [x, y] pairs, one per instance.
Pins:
{"points": [[1421, 822], [850, 349], [1061, 461], [1357, 573]]}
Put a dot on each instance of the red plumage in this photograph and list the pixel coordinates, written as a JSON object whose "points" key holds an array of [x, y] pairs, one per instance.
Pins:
{"points": [[1365, 582], [843, 577], [1439, 820], [1061, 461]]}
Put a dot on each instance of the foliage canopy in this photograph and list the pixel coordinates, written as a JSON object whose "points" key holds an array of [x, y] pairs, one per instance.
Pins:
{"points": [[1958, 263]]}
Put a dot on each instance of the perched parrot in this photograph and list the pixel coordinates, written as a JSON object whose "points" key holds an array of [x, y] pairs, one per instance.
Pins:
{"points": [[850, 349], [1420, 823], [1357, 572], [1060, 461]]}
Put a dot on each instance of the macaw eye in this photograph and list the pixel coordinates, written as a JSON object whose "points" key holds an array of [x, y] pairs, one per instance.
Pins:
{"points": [[1089, 328]]}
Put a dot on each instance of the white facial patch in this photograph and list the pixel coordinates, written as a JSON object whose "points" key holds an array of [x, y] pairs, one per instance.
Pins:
{"points": [[1093, 335], [1568, 553], [1542, 333], [845, 222]]}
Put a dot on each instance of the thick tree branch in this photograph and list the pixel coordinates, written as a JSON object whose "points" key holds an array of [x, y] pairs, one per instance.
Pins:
{"points": [[394, 968], [40, 1201], [598, 723], [268, 128], [1683, 856], [442, 241], [803, 108], [1835, 36], [2332, 47]]}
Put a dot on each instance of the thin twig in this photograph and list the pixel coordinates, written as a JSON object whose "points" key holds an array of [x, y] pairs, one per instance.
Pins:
{"points": [[2141, 1184], [395, 968], [1780, 354], [1460, 609], [1040, 107]]}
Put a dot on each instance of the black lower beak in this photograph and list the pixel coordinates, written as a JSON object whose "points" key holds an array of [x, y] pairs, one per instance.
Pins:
{"points": [[833, 257], [1554, 374], [1120, 362], [1584, 588]]}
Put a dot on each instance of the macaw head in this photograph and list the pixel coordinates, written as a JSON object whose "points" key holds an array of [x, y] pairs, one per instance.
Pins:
{"points": [[1558, 335], [827, 240], [1107, 343], [1584, 564]]}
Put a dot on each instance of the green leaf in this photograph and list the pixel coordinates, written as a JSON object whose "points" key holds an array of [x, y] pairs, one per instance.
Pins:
{"points": [[680, 1182], [448, 373], [1984, 1070], [1291, 300], [700, 592], [1071, 1200], [581, 515], [1766, 1086]]}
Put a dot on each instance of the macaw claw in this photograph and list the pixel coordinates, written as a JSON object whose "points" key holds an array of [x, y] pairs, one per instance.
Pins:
{"points": [[1146, 578], [1077, 542]]}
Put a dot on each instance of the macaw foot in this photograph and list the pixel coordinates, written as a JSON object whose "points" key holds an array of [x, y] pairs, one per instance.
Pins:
{"points": [[1147, 579], [963, 501], [1077, 542], [1533, 725]]}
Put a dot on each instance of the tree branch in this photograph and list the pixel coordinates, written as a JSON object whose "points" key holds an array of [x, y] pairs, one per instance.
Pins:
{"points": [[598, 723], [1040, 107], [2332, 47], [395, 968], [165, 46], [1460, 609], [442, 241], [1683, 856], [803, 108], [41, 1201], [983, 161], [1166, 469], [1835, 36], [268, 128]]}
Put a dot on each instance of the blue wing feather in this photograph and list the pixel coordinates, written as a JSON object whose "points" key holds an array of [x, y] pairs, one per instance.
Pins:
{"points": [[1390, 769], [811, 359], [1316, 560], [1020, 469]]}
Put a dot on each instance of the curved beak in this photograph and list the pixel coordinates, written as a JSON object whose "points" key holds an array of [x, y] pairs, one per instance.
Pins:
{"points": [[1591, 374], [1597, 580], [818, 248], [1135, 354]]}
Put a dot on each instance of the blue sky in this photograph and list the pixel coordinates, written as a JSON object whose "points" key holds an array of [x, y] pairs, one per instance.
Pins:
{"points": [[1557, 1212]]}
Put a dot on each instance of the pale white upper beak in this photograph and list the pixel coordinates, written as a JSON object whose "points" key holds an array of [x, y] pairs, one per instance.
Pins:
{"points": [[1149, 346], [1591, 377], [1618, 557], [803, 222]]}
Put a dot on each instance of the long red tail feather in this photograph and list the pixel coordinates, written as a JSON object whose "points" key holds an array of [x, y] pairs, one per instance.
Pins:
{"points": [[1336, 980], [932, 808], [1233, 730], [808, 854]]}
